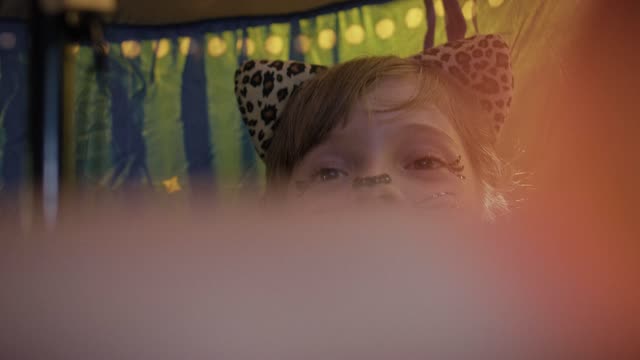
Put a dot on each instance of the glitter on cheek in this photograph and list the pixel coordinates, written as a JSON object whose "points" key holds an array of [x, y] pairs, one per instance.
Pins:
{"points": [[430, 202]]}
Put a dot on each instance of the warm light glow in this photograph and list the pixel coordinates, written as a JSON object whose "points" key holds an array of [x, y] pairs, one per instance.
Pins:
{"points": [[354, 34], [184, 45], [302, 44], [439, 8], [327, 39], [274, 44], [75, 48], [161, 48], [217, 46], [250, 46], [385, 28], [495, 3], [131, 49], [414, 17], [469, 9]]}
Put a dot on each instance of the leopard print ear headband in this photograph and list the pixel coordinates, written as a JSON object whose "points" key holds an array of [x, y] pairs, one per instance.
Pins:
{"points": [[481, 64]]}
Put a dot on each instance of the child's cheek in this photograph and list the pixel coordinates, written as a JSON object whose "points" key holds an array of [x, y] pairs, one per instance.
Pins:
{"points": [[316, 202], [319, 198]]}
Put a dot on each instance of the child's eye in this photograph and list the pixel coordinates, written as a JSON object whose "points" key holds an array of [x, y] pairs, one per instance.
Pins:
{"points": [[328, 174], [426, 163]]}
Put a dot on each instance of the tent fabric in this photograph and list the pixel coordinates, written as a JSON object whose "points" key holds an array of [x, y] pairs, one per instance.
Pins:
{"points": [[159, 12], [164, 118]]}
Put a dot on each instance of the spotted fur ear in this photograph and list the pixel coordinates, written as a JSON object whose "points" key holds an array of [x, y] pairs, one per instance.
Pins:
{"points": [[482, 64], [262, 89]]}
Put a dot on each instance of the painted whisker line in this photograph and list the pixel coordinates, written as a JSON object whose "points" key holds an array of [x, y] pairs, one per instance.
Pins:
{"points": [[371, 180]]}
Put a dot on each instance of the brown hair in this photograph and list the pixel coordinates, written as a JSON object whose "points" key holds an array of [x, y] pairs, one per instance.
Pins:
{"points": [[324, 102]]}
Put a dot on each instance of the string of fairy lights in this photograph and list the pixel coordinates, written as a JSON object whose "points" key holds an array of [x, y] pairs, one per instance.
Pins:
{"points": [[274, 44]]}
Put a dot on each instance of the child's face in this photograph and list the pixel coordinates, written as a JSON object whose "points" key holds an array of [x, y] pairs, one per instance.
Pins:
{"points": [[418, 148]]}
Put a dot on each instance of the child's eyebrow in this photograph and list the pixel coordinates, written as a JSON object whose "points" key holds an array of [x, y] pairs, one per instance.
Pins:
{"points": [[420, 129]]}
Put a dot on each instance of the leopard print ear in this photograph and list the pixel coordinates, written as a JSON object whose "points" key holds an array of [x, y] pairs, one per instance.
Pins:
{"points": [[262, 89], [482, 64]]}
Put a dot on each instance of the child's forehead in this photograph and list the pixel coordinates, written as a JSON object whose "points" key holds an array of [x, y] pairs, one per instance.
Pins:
{"points": [[392, 89], [416, 120], [402, 92], [396, 101]]}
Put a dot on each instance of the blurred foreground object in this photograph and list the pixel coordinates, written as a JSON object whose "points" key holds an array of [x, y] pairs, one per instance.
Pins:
{"points": [[156, 283]]}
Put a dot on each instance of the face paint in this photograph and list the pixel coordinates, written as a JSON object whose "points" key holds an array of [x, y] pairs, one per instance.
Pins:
{"points": [[456, 167], [371, 180], [430, 202]]}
